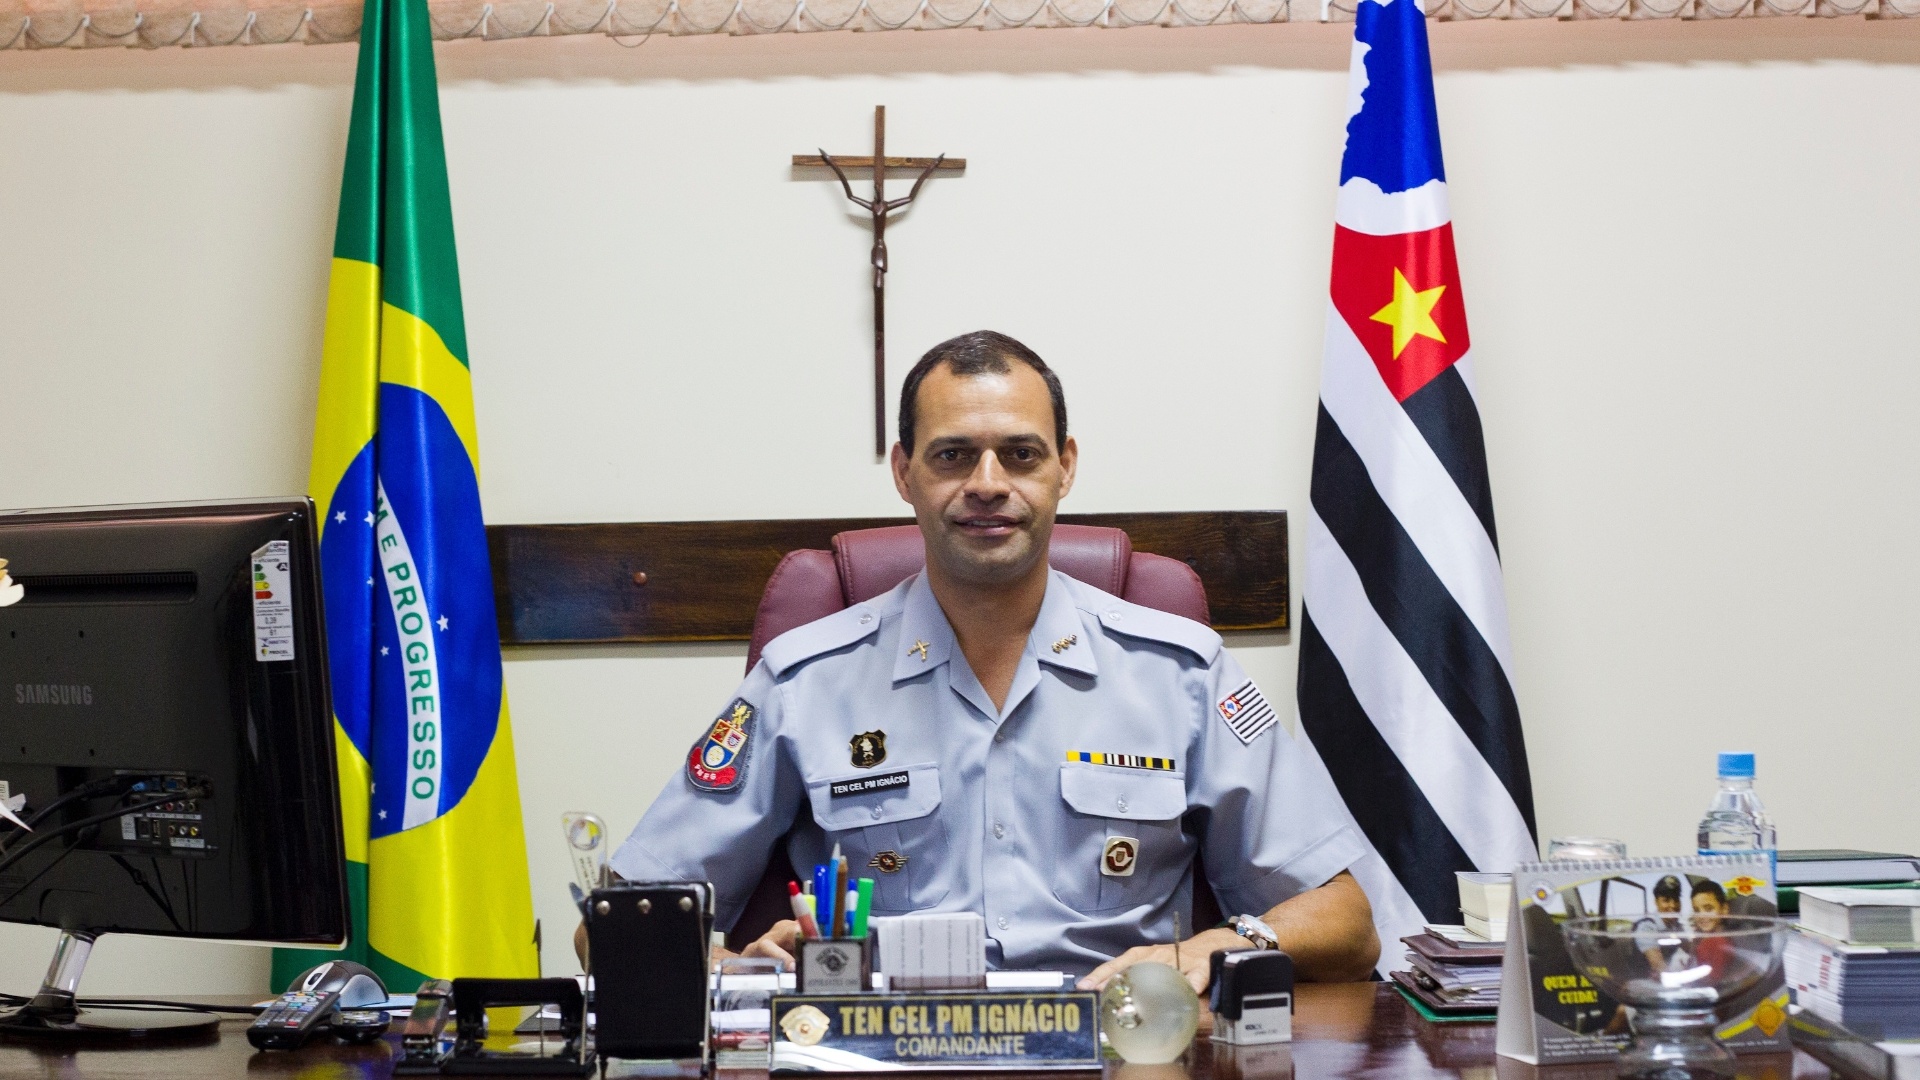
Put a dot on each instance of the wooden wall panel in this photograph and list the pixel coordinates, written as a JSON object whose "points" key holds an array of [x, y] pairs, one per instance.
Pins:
{"points": [[573, 584]]}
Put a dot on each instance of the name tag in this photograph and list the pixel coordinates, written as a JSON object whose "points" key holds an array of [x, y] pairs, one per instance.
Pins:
{"points": [[936, 1031], [840, 789]]}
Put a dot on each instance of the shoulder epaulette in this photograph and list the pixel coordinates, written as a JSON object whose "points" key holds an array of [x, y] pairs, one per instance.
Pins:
{"points": [[821, 636], [1149, 624]]}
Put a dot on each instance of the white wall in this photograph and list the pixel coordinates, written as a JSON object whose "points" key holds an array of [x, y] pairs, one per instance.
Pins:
{"points": [[1687, 254]]}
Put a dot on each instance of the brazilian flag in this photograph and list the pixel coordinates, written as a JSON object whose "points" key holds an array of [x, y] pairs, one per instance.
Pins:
{"points": [[436, 856]]}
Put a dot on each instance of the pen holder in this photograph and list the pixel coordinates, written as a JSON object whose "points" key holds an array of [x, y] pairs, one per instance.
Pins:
{"points": [[835, 965]]}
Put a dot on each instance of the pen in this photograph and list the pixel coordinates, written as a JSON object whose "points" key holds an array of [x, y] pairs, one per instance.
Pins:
{"points": [[863, 907], [836, 889], [802, 910], [853, 905], [840, 895], [823, 899]]}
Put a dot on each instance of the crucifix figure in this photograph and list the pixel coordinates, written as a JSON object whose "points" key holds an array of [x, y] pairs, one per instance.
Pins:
{"points": [[880, 208]]}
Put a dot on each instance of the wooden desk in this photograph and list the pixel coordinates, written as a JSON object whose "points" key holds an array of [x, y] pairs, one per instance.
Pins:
{"points": [[1362, 1031]]}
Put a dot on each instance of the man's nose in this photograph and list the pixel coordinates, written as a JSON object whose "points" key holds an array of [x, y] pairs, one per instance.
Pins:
{"points": [[988, 481]]}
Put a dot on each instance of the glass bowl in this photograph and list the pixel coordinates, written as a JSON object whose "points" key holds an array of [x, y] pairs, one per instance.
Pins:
{"points": [[1673, 971]]}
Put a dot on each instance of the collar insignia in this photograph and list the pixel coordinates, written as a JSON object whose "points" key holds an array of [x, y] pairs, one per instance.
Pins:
{"points": [[1066, 643], [921, 648]]}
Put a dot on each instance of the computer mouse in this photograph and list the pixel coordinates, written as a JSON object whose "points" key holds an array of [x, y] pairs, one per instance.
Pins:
{"points": [[357, 985]]}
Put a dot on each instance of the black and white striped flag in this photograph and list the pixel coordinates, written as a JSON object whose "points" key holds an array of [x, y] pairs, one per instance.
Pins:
{"points": [[1405, 681]]}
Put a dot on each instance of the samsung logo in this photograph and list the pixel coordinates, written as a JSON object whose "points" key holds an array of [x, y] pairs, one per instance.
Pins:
{"points": [[52, 694]]}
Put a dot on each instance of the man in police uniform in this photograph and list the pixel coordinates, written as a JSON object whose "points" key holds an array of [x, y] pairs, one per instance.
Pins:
{"points": [[995, 736]]}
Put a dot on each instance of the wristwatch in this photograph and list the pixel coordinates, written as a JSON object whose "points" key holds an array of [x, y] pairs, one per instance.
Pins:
{"points": [[1255, 930]]}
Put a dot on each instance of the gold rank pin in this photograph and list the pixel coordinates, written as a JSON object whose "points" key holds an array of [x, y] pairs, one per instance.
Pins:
{"points": [[1066, 643]]}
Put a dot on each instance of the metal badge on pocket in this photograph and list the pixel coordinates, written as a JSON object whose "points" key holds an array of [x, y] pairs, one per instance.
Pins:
{"points": [[1120, 856], [869, 748]]}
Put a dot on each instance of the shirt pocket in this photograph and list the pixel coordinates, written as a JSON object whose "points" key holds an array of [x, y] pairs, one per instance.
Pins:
{"points": [[891, 832], [1104, 803]]}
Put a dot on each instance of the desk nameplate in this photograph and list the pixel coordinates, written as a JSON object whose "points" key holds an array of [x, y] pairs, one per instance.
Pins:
{"points": [[936, 1031]]}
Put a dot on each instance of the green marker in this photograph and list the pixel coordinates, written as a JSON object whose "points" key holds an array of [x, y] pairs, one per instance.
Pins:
{"points": [[863, 907]]}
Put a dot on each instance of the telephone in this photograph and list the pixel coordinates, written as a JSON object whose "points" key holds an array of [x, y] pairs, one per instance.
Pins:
{"points": [[310, 1003]]}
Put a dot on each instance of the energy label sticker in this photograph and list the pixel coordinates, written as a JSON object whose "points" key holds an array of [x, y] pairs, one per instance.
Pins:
{"points": [[272, 603]]}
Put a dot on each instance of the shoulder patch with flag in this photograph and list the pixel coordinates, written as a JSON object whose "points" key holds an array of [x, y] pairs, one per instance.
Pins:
{"points": [[718, 761], [1246, 712]]}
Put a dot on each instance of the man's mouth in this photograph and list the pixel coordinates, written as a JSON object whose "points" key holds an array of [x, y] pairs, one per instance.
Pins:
{"points": [[986, 525]]}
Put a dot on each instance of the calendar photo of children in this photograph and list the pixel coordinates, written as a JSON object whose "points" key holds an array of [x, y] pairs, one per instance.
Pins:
{"points": [[1668, 903]]}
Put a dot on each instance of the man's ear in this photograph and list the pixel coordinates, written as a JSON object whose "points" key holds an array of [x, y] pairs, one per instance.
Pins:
{"points": [[1069, 465], [900, 463]]}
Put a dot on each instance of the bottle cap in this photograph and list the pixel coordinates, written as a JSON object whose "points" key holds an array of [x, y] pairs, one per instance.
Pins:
{"points": [[1736, 766]]}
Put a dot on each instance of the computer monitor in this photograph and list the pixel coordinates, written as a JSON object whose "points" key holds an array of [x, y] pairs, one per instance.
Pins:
{"points": [[164, 711]]}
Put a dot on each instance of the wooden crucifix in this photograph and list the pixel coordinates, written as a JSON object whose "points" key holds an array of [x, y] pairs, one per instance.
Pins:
{"points": [[880, 208]]}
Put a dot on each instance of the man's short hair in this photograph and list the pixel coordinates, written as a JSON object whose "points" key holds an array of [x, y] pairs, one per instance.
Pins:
{"points": [[979, 353], [1667, 888], [1711, 887]]}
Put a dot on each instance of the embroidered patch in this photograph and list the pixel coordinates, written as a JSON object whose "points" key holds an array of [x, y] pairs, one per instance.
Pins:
{"points": [[718, 762], [1246, 712], [1123, 761]]}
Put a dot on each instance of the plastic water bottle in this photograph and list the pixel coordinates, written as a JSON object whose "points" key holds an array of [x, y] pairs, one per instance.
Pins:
{"points": [[1736, 823]]}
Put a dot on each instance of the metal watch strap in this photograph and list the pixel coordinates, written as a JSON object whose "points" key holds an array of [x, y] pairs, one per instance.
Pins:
{"points": [[1256, 931]]}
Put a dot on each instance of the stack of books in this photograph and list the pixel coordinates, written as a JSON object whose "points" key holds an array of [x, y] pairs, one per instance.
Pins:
{"points": [[1453, 971], [1484, 901], [1842, 866], [1854, 960], [1449, 980]]}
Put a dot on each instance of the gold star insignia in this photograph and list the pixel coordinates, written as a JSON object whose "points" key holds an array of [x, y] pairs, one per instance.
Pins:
{"points": [[921, 648], [1410, 313]]}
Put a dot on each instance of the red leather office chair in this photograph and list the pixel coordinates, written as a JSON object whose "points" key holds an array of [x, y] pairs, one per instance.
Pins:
{"points": [[812, 584]]}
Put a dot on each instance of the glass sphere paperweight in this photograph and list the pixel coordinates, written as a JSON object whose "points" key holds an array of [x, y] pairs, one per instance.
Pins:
{"points": [[1149, 1013], [1674, 971]]}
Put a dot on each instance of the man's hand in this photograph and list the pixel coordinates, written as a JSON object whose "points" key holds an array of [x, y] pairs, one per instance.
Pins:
{"points": [[1195, 957], [777, 943], [1328, 931]]}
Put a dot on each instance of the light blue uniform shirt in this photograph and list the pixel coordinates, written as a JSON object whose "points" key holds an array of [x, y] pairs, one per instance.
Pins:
{"points": [[1069, 818]]}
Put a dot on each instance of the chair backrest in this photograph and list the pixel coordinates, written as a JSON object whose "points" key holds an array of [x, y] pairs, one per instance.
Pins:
{"points": [[812, 584]]}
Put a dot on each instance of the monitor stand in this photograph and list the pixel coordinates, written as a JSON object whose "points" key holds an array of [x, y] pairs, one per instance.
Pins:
{"points": [[53, 1012]]}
